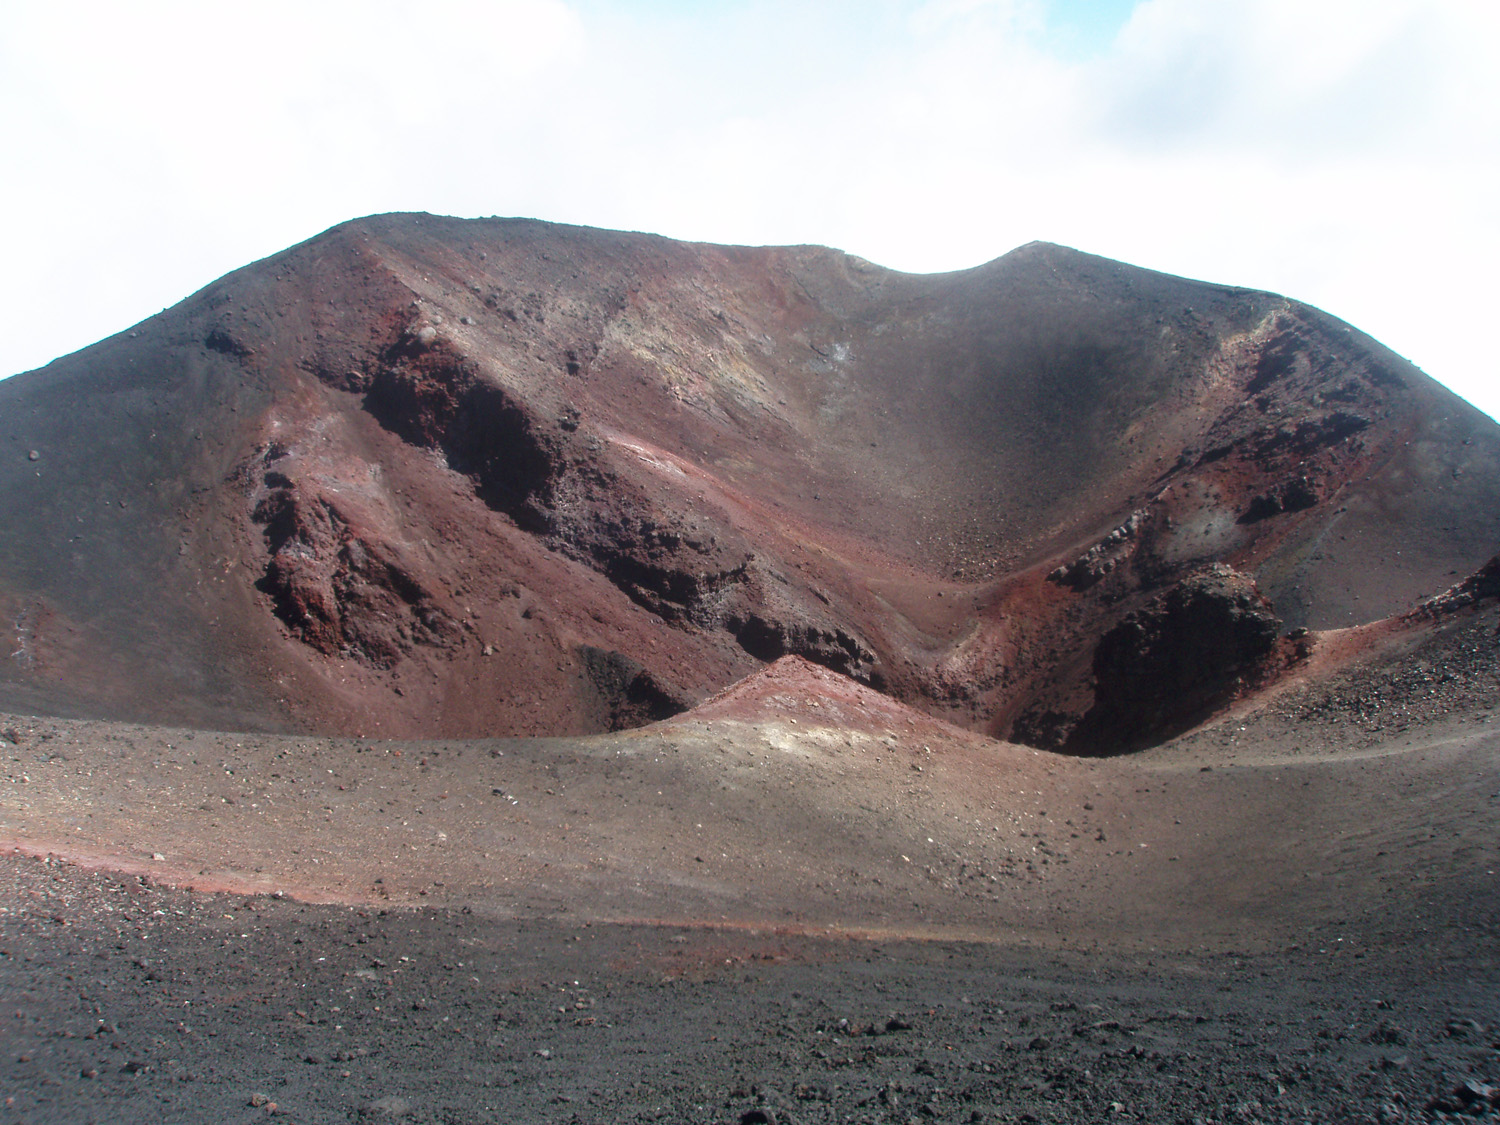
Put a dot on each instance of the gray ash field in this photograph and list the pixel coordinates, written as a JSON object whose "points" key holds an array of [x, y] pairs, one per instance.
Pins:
{"points": [[127, 1002], [1317, 941]]}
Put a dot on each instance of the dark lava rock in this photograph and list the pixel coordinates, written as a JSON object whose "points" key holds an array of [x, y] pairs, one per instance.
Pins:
{"points": [[1295, 495], [1165, 667], [1474, 1091], [1464, 1029], [1389, 1034]]}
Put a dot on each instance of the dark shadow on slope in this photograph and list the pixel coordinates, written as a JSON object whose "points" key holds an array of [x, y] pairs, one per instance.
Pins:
{"points": [[1166, 668], [626, 692]]}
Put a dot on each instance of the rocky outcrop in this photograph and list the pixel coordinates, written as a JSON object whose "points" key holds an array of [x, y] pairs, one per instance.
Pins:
{"points": [[1090, 568], [768, 638], [678, 569], [1482, 585], [1166, 666], [338, 591], [433, 397]]}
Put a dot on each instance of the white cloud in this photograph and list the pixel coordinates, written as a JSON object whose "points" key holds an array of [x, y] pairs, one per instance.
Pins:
{"points": [[1341, 151], [1297, 82]]}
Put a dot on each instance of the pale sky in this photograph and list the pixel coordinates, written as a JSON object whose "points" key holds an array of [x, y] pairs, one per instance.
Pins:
{"points": [[1343, 152]]}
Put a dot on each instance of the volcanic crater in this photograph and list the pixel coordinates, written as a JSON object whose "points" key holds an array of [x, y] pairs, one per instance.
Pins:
{"points": [[530, 602], [433, 477]]}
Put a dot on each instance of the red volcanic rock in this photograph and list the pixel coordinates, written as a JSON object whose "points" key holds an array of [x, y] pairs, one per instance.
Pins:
{"points": [[425, 476]]}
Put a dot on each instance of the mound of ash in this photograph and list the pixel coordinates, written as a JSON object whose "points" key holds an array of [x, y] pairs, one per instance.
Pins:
{"points": [[797, 690], [434, 477]]}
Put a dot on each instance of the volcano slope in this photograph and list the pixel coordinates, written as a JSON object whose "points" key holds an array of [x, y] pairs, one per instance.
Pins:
{"points": [[433, 477], [768, 545]]}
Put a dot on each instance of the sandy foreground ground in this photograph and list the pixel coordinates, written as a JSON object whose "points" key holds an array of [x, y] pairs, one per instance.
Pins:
{"points": [[790, 905]]}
